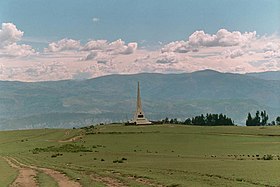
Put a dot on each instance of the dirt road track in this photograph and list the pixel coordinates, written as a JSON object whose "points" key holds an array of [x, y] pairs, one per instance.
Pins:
{"points": [[27, 173]]}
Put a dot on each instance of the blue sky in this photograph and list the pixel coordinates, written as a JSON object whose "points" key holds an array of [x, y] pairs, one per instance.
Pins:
{"points": [[137, 20], [64, 39]]}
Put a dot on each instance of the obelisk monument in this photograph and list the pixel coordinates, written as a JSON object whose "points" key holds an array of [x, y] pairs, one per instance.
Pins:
{"points": [[139, 117]]}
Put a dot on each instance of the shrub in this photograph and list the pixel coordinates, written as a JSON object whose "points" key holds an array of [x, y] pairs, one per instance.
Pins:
{"points": [[267, 157], [73, 148]]}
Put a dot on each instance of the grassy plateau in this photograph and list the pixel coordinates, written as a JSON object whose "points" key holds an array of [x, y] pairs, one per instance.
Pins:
{"points": [[158, 155]]}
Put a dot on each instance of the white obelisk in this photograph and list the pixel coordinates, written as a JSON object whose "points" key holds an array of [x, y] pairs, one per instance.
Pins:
{"points": [[139, 118]]}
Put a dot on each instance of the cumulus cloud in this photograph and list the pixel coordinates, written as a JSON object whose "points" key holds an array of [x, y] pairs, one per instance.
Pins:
{"points": [[104, 49], [177, 46], [14, 50], [223, 51], [63, 45], [222, 38], [95, 45], [90, 55], [9, 36], [115, 47], [119, 47], [272, 54], [167, 58], [234, 53], [271, 47], [129, 49]]}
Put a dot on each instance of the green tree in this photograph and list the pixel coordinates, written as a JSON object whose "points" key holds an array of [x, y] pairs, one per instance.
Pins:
{"points": [[264, 118], [277, 120], [249, 121]]}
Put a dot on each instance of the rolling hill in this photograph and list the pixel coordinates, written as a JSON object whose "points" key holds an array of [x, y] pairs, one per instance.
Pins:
{"points": [[112, 98]]}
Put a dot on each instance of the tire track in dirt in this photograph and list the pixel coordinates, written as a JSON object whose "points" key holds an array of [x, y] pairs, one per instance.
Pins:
{"points": [[26, 176], [108, 181], [73, 139], [60, 178]]}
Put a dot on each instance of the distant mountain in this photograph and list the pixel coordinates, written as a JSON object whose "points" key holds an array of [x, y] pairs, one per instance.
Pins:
{"points": [[112, 98], [269, 75]]}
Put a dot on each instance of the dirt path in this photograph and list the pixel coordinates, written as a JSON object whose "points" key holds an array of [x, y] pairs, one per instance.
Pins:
{"points": [[61, 179], [26, 177], [108, 181], [73, 139], [145, 181]]}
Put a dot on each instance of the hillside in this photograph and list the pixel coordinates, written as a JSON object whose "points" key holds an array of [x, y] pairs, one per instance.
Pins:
{"points": [[269, 75], [158, 155], [112, 98]]}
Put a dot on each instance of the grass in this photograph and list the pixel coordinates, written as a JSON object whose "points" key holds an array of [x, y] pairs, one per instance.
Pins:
{"points": [[7, 174], [45, 181], [173, 155]]}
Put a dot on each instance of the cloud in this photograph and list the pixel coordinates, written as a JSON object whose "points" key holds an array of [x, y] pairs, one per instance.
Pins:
{"points": [[234, 53], [63, 45], [14, 50], [9, 34], [91, 55], [103, 50], [271, 46], [222, 38], [95, 19], [69, 59], [129, 49], [177, 46], [167, 58], [119, 47], [95, 45], [80, 75]]}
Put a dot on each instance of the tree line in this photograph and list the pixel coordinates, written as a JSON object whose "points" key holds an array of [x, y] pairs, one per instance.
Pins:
{"points": [[261, 119], [202, 120]]}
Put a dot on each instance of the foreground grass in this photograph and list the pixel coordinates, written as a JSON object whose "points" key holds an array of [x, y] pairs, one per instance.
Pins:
{"points": [[7, 174], [45, 181], [163, 154]]}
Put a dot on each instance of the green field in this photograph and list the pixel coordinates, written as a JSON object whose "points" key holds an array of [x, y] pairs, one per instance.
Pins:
{"points": [[160, 155]]}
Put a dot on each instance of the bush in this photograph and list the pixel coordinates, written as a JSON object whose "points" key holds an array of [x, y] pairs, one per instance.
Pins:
{"points": [[267, 157], [117, 161], [73, 148]]}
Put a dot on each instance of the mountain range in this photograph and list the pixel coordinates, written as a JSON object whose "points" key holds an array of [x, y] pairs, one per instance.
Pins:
{"points": [[112, 98]]}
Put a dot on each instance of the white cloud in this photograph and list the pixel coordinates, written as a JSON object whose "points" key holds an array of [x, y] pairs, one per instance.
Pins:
{"points": [[66, 59], [167, 58], [222, 38], [63, 45], [234, 53], [129, 49], [90, 55], [95, 20], [95, 45], [9, 34], [80, 75], [98, 48], [177, 46]]}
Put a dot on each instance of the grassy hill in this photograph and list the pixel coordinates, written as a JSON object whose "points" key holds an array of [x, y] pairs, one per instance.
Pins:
{"points": [[168, 155], [112, 98]]}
